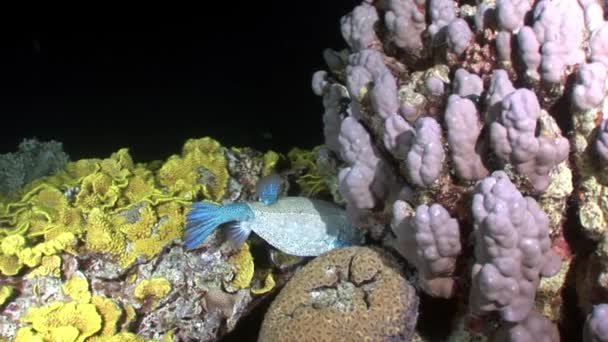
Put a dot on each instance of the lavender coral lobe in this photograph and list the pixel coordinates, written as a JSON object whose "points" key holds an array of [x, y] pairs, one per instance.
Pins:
{"points": [[512, 250]]}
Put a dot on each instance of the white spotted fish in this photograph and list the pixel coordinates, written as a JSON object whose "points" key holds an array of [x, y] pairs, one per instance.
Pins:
{"points": [[297, 226]]}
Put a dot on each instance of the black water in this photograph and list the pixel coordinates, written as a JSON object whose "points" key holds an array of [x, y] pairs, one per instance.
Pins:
{"points": [[238, 73]]}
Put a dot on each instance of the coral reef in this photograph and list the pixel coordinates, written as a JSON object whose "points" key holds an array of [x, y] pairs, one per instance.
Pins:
{"points": [[469, 138], [93, 252], [476, 131]]}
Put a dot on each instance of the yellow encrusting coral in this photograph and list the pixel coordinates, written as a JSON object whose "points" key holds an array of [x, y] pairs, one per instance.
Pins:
{"points": [[154, 288], [110, 313], [130, 315], [311, 181], [243, 263], [49, 266], [199, 170], [269, 284], [271, 158], [85, 317], [10, 265], [113, 206], [80, 318], [14, 255], [5, 293], [27, 335], [121, 212], [77, 288]]}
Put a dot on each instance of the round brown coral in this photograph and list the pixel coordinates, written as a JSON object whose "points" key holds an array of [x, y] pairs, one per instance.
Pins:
{"points": [[350, 294]]}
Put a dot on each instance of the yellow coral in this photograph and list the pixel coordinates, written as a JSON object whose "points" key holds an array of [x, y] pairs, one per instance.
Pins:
{"points": [[5, 293], [11, 245], [199, 170], [118, 166], [271, 158], [64, 334], [311, 181], [86, 317], [137, 227], [32, 257], [169, 227], [14, 255], [47, 320], [27, 334], [168, 337], [77, 288], [110, 313], [89, 199], [97, 191], [69, 220], [103, 236], [155, 288], [269, 284], [130, 315], [243, 262], [141, 187], [112, 234], [10, 265], [60, 243], [50, 266], [49, 201]]}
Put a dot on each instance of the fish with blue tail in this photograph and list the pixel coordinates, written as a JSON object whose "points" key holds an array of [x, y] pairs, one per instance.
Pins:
{"points": [[297, 226]]}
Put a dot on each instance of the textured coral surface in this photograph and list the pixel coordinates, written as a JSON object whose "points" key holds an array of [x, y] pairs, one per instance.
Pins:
{"points": [[349, 294]]}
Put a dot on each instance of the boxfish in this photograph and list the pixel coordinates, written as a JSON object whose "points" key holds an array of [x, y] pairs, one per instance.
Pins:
{"points": [[295, 225]]}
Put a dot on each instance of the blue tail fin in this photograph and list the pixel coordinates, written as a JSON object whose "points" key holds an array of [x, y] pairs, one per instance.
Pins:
{"points": [[204, 218]]}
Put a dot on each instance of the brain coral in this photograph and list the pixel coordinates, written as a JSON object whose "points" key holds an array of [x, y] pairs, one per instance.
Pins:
{"points": [[350, 294]]}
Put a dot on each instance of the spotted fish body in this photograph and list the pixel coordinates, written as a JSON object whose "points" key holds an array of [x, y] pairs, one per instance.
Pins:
{"points": [[298, 226], [302, 226]]}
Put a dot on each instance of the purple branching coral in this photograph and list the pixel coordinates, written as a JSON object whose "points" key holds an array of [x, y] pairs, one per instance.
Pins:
{"points": [[368, 179], [398, 136], [405, 22], [466, 83], [437, 104], [464, 128], [590, 86], [459, 36], [513, 137], [599, 44], [512, 249], [596, 325], [430, 240], [357, 27], [425, 157], [559, 27], [442, 13], [333, 98], [357, 181], [368, 77], [534, 328], [511, 13]]}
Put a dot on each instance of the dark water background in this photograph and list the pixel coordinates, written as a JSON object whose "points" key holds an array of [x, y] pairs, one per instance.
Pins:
{"points": [[239, 73]]}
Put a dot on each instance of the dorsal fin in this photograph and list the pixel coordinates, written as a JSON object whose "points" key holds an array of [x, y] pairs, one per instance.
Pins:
{"points": [[269, 188]]}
